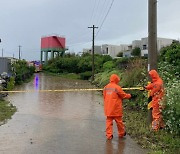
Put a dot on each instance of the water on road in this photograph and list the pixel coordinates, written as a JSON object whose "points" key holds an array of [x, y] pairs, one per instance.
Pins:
{"points": [[59, 122]]}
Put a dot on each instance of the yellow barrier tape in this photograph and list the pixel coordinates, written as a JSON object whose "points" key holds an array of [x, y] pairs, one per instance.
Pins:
{"points": [[66, 90]]}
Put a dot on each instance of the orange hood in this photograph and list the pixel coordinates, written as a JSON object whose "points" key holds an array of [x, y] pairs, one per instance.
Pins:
{"points": [[114, 78], [154, 75]]}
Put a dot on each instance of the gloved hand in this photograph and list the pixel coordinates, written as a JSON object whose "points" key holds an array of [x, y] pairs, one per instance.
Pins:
{"points": [[128, 95]]}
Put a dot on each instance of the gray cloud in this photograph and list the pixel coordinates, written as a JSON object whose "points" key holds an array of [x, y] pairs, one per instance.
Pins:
{"points": [[24, 22]]}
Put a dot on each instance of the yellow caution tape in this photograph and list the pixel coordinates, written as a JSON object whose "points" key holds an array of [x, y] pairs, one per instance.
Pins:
{"points": [[149, 105], [66, 90], [149, 101]]}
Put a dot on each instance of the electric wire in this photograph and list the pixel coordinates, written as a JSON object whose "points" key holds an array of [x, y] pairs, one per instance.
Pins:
{"points": [[104, 7], [95, 16], [92, 16], [104, 19], [97, 8]]}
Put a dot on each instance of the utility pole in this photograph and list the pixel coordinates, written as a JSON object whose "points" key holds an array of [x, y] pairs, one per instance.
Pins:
{"points": [[152, 35], [2, 49], [19, 52], [93, 27], [2, 52], [152, 41]]}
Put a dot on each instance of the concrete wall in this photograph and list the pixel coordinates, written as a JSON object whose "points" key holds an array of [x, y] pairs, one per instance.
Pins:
{"points": [[163, 42], [136, 44], [5, 65], [143, 44], [127, 54], [104, 49], [144, 53], [112, 50], [97, 49]]}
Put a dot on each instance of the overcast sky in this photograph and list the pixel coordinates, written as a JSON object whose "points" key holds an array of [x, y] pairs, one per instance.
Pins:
{"points": [[24, 22]]}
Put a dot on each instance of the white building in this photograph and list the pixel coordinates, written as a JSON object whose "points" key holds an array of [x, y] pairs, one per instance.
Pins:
{"points": [[113, 50], [86, 50], [143, 44], [136, 44], [127, 51], [97, 50]]}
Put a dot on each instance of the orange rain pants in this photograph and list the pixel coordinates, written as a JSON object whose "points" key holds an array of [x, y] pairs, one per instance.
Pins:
{"points": [[157, 122], [109, 126], [113, 109], [157, 93]]}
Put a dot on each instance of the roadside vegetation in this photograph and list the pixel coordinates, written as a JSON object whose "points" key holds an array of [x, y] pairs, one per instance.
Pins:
{"points": [[133, 73], [6, 111], [72, 63], [21, 73]]}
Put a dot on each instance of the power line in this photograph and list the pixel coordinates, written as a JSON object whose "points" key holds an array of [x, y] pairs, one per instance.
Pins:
{"points": [[97, 8], [105, 18], [93, 12], [103, 11]]}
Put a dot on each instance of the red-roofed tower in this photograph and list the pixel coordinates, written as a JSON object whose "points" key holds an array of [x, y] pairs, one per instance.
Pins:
{"points": [[53, 44]]}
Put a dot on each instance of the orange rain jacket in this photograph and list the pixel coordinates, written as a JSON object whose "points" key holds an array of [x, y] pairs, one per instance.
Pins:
{"points": [[156, 87], [113, 96]]}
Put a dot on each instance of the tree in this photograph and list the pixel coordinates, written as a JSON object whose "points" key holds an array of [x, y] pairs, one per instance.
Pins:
{"points": [[136, 52]]}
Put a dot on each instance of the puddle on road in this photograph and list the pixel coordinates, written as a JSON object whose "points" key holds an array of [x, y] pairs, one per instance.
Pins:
{"points": [[59, 122]]}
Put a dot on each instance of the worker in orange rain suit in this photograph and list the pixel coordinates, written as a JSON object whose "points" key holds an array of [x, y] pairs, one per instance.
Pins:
{"points": [[157, 93], [113, 96]]}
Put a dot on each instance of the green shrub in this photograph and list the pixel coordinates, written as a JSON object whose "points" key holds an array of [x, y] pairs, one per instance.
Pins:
{"points": [[6, 110], [11, 83], [122, 63], [76, 64], [136, 52], [120, 54], [171, 113], [171, 55], [101, 79], [22, 71], [108, 65], [85, 75]]}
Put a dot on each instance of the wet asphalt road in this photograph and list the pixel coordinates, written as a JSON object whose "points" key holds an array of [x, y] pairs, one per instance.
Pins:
{"points": [[60, 122]]}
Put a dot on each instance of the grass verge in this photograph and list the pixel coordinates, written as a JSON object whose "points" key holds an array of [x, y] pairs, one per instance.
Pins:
{"points": [[6, 111], [160, 142]]}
